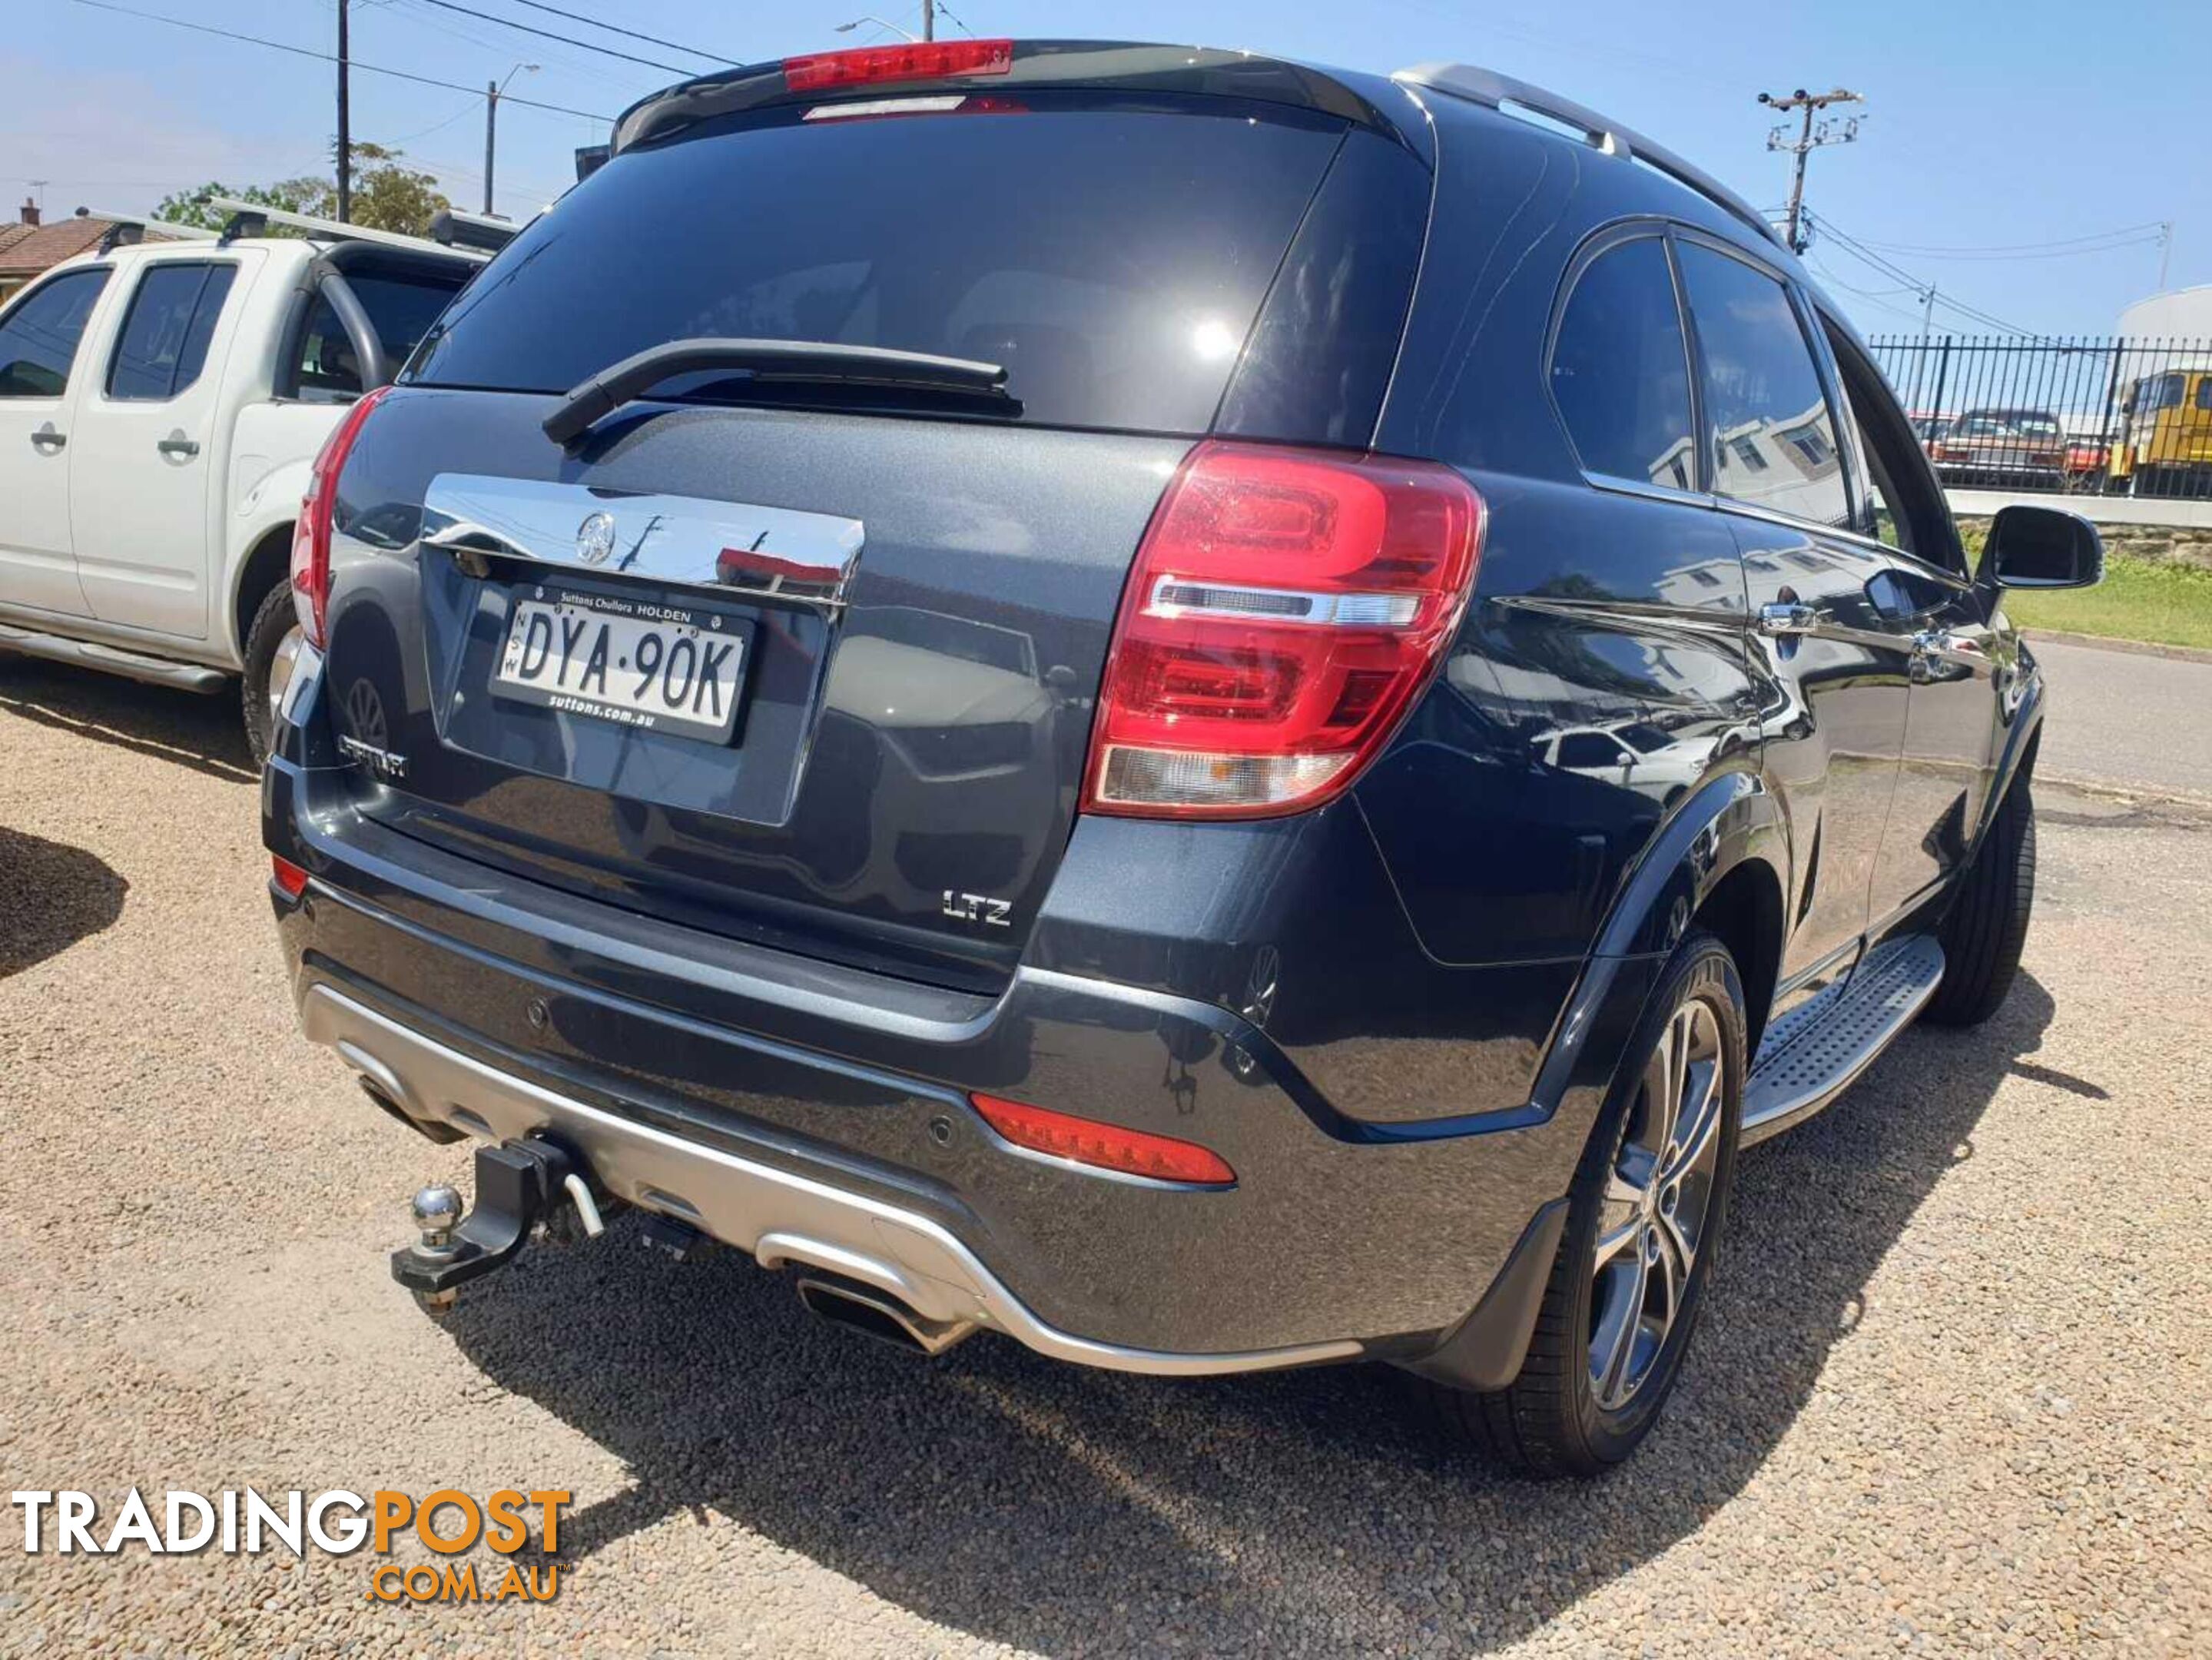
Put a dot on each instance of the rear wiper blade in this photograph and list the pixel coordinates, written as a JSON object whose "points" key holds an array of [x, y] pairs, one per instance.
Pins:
{"points": [[819, 362]]}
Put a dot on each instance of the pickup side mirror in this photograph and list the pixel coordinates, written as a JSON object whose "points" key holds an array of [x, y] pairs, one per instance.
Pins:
{"points": [[2032, 547]]}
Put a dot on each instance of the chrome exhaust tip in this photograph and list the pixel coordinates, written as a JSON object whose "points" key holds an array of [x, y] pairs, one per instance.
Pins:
{"points": [[879, 1315]]}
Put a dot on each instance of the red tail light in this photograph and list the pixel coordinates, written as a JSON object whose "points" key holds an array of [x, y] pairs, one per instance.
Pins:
{"points": [[1286, 607], [915, 60], [289, 876], [1109, 1146], [311, 534]]}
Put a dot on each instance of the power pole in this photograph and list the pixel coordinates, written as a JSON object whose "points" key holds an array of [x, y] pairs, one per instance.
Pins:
{"points": [[491, 124], [929, 30], [1808, 139], [345, 135], [2165, 249]]}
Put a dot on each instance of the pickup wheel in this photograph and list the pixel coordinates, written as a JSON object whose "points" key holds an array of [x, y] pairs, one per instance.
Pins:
{"points": [[1644, 1223], [1987, 924], [272, 646]]}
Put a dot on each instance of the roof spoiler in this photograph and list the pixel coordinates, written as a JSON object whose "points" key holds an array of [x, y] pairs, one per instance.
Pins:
{"points": [[1489, 88], [1115, 65]]}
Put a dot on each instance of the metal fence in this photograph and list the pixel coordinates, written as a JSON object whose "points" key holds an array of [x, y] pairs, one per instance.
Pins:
{"points": [[2109, 416]]}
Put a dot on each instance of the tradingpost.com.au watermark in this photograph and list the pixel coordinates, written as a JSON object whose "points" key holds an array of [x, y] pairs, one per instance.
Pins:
{"points": [[238, 1521]]}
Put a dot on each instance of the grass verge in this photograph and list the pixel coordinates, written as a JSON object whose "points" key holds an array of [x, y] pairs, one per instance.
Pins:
{"points": [[2151, 600]]}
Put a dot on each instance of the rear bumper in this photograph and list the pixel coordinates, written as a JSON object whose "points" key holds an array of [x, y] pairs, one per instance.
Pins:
{"points": [[783, 1218], [815, 1115]]}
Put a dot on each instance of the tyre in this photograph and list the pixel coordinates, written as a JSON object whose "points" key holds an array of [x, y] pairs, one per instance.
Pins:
{"points": [[272, 646], [1987, 924], [1644, 1224]]}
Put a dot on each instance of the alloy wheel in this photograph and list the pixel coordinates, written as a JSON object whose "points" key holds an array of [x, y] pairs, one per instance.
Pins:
{"points": [[1658, 1199]]}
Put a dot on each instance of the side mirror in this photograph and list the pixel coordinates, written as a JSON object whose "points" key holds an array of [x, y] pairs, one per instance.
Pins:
{"points": [[2032, 547]]}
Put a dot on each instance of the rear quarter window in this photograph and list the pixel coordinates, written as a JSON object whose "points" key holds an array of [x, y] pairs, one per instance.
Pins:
{"points": [[1620, 373], [1111, 253]]}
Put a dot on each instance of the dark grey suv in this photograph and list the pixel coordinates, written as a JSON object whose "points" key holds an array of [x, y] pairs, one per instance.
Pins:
{"points": [[1211, 713]]}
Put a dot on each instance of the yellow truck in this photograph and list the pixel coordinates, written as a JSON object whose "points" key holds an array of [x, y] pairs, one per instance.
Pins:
{"points": [[2165, 441]]}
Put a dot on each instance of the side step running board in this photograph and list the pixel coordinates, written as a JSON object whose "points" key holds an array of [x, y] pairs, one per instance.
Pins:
{"points": [[113, 660], [1814, 1053]]}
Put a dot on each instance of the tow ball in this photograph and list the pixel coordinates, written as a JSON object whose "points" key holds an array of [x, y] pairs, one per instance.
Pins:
{"points": [[519, 1184]]}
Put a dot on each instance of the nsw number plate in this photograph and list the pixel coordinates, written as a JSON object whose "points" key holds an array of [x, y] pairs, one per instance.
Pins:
{"points": [[665, 668]]}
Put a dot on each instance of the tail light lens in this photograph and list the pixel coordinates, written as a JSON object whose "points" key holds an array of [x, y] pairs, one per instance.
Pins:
{"points": [[311, 533], [288, 876], [915, 60], [1286, 607], [1106, 1147]]}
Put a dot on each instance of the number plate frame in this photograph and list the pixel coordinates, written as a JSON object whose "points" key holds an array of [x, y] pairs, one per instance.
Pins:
{"points": [[709, 623]]}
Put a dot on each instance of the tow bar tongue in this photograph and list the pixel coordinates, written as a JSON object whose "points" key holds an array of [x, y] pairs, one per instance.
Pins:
{"points": [[518, 1184]]}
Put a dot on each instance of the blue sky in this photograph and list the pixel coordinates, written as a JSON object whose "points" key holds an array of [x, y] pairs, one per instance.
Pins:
{"points": [[1989, 126]]}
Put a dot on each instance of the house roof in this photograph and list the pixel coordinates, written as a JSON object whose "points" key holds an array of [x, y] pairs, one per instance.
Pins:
{"points": [[27, 250]]}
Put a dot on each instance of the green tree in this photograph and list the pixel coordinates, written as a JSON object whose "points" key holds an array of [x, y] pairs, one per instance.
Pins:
{"points": [[387, 195]]}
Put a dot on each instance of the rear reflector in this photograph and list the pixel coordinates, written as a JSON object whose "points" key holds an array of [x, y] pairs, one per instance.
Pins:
{"points": [[288, 876], [915, 60], [1286, 609], [1107, 1146]]}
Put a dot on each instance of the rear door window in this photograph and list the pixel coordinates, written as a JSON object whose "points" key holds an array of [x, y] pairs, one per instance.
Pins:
{"points": [[1111, 252], [38, 339], [164, 344], [1619, 372], [1763, 394]]}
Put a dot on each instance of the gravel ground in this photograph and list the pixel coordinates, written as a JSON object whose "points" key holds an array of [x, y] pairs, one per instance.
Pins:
{"points": [[1954, 1393]]}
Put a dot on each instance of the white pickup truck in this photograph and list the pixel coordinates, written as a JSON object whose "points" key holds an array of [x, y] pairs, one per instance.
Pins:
{"points": [[161, 404]]}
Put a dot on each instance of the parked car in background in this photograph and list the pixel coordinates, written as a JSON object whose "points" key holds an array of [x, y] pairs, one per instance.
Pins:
{"points": [[159, 404], [2165, 445], [1993, 447], [1180, 454]]}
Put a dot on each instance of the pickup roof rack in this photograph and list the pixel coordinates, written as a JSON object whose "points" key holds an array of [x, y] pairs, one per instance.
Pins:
{"points": [[127, 229], [1497, 91], [453, 229], [251, 218]]}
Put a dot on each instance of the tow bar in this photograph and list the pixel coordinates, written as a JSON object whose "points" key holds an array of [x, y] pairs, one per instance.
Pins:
{"points": [[518, 1184]]}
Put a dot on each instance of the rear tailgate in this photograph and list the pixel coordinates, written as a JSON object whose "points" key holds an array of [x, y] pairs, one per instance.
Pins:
{"points": [[817, 668]]}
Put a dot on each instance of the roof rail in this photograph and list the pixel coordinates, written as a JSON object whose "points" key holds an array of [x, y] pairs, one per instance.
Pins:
{"points": [[251, 218], [1487, 86], [127, 229]]}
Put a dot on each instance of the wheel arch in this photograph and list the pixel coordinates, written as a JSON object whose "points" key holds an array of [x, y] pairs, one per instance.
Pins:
{"points": [[267, 563], [1717, 862]]}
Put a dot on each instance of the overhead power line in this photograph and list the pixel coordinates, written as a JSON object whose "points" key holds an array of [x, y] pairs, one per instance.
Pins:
{"points": [[1930, 294], [2057, 248], [331, 57], [565, 39], [649, 40]]}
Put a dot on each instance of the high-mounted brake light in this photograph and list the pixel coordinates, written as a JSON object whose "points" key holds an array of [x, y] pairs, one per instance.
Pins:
{"points": [[1109, 1146], [311, 533], [1286, 607], [913, 60]]}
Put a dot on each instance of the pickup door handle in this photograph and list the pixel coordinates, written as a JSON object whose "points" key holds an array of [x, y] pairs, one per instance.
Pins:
{"points": [[48, 438], [177, 444], [1787, 618]]}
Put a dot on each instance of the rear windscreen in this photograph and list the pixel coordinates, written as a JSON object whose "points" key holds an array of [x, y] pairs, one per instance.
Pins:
{"points": [[1110, 254]]}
